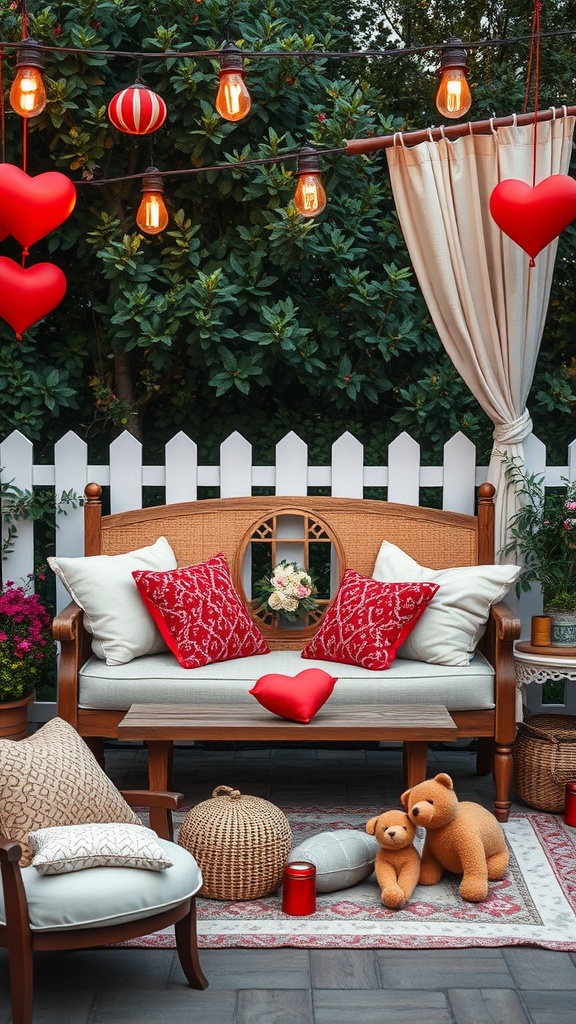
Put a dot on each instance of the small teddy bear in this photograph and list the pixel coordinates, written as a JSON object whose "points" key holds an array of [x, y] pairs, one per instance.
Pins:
{"points": [[461, 836], [397, 863]]}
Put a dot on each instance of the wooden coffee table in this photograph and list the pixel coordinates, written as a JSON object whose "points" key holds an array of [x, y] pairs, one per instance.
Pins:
{"points": [[160, 724]]}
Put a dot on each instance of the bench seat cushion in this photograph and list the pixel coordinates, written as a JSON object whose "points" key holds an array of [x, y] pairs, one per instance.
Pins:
{"points": [[159, 678]]}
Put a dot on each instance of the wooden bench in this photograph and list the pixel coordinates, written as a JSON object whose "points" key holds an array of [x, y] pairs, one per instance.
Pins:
{"points": [[347, 533]]}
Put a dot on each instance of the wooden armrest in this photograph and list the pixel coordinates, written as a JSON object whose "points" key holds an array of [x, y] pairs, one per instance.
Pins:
{"points": [[146, 798], [507, 624], [9, 850], [67, 624]]}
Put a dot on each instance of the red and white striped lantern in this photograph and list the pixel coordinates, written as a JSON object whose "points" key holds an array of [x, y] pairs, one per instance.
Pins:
{"points": [[137, 110]]}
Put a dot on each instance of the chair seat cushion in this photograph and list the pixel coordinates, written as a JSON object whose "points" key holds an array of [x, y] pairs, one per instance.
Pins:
{"points": [[108, 896], [159, 679]]}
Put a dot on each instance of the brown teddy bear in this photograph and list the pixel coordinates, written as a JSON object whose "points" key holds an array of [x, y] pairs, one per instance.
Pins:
{"points": [[461, 837], [397, 863]]}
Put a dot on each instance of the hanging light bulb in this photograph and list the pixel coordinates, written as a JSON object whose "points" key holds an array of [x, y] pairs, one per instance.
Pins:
{"points": [[233, 99], [310, 197], [27, 94], [152, 216], [453, 98]]}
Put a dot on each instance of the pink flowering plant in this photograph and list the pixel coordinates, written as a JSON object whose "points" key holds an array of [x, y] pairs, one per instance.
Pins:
{"points": [[27, 647], [543, 536], [290, 591]]}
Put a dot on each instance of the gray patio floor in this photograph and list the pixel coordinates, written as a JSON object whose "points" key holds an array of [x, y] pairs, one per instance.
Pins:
{"points": [[295, 986]]}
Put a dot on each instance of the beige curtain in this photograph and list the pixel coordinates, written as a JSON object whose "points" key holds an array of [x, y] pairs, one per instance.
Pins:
{"points": [[488, 305]]}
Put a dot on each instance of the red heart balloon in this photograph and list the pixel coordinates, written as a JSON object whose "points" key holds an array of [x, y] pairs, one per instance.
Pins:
{"points": [[31, 208], [533, 217], [28, 295], [296, 697]]}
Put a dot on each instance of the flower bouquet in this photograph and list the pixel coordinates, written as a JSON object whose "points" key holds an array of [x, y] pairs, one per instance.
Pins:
{"points": [[26, 641], [290, 591]]}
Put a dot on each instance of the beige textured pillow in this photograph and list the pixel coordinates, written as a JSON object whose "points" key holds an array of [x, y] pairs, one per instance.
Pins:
{"points": [[65, 848], [114, 612], [53, 778]]}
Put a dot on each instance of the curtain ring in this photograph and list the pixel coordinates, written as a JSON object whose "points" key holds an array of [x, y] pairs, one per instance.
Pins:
{"points": [[564, 110], [492, 128], [553, 109], [429, 131], [515, 120], [442, 131], [398, 135]]}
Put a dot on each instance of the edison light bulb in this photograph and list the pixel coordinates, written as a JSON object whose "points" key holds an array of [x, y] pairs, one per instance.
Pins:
{"points": [[453, 98], [152, 216], [310, 197], [27, 94], [233, 99]]}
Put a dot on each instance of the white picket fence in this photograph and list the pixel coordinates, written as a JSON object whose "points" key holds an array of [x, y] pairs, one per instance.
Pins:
{"points": [[401, 478]]}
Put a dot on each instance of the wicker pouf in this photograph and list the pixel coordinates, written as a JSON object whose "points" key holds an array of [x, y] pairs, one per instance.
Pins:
{"points": [[545, 760], [241, 844]]}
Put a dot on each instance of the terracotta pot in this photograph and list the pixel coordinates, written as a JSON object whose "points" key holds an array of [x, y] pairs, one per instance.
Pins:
{"points": [[14, 718]]}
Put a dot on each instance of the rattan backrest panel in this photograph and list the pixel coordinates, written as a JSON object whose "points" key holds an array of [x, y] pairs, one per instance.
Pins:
{"points": [[197, 530]]}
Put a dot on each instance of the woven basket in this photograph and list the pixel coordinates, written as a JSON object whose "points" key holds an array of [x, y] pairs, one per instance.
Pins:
{"points": [[241, 844], [545, 760]]}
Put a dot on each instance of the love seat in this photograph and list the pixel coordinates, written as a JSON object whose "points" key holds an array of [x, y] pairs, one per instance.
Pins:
{"points": [[331, 535]]}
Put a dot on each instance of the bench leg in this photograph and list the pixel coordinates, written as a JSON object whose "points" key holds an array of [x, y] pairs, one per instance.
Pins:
{"points": [[160, 756], [414, 761]]}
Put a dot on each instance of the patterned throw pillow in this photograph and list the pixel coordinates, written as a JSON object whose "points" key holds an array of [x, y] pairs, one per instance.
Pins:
{"points": [[368, 621], [53, 778], [298, 697], [457, 616], [199, 613], [67, 848]]}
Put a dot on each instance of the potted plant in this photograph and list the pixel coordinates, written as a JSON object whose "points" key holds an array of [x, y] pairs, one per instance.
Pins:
{"points": [[543, 536], [27, 651]]}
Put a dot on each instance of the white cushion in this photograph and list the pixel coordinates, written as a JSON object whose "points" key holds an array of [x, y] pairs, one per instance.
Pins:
{"points": [[456, 617], [159, 679], [65, 848], [342, 858], [102, 896], [114, 613]]}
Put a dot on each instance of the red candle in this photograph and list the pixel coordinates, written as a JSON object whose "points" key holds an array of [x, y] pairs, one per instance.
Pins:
{"points": [[570, 804], [299, 888]]}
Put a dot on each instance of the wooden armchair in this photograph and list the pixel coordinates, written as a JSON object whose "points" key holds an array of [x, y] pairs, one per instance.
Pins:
{"points": [[22, 932]]}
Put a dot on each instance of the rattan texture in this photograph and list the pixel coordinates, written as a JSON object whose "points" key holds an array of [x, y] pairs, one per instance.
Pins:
{"points": [[545, 760], [240, 843]]}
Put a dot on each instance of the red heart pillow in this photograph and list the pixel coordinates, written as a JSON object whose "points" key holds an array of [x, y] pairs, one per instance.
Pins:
{"points": [[297, 698]]}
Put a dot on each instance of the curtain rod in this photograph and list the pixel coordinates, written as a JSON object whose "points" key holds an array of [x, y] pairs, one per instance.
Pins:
{"points": [[454, 131]]}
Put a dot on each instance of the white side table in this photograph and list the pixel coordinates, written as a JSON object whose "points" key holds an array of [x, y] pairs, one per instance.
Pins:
{"points": [[538, 664]]}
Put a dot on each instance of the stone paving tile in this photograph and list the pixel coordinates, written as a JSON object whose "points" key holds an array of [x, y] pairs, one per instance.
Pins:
{"points": [[186, 1006], [550, 1007], [486, 1006], [282, 1006], [343, 969], [340, 1006], [256, 968], [436, 969], [535, 969]]}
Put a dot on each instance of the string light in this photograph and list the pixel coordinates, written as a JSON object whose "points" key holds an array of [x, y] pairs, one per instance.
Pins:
{"points": [[310, 197], [233, 99], [152, 216], [27, 94], [453, 98]]}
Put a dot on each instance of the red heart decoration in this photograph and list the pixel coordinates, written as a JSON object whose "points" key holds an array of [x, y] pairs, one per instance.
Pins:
{"points": [[298, 697], [31, 208], [28, 295], [533, 217]]}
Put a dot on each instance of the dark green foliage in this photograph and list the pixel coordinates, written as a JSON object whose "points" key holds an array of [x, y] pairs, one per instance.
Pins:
{"points": [[243, 315]]}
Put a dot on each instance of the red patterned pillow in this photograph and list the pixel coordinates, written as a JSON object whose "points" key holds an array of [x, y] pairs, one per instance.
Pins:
{"points": [[368, 621], [298, 697], [199, 613]]}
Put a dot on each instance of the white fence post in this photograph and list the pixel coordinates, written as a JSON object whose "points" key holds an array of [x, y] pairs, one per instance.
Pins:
{"points": [[16, 465]]}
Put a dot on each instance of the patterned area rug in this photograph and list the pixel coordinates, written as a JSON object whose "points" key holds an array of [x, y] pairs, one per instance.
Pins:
{"points": [[533, 905]]}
